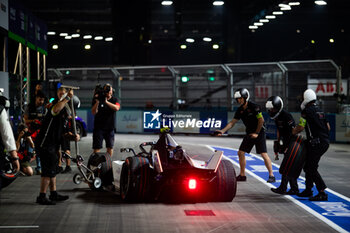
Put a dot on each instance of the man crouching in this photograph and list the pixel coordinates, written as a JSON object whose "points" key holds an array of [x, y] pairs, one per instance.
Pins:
{"points": [[47, 144]]}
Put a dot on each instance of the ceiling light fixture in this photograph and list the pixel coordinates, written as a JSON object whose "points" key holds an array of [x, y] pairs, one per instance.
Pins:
{"points": [[218, 3], [51, 33], [183, 46], [277, 13], [253, 27], [320, 2], [215, 46], [98, 38], [87, 47], [55, 46], [207, 39], [87, 37], [264, 21], [190, 40], [63, 34], [76, 35], [270, 17], [67, 37], [167, 3], [258, 24], [294, 3], [109, 39]]}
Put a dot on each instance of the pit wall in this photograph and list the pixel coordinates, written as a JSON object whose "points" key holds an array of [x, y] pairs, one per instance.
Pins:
{"points": [[131, 121]]}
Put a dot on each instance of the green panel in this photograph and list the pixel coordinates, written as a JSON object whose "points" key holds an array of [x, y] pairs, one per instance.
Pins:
{"points": [[31, 46], [42, 51], [17, 38]]}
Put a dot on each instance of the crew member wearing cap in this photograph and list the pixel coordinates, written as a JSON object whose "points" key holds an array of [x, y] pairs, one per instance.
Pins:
{"points": [[251, 115]]}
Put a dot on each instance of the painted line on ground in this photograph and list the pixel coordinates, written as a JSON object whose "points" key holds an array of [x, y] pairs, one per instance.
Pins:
{"points": [[339, 221], [17, 227]]}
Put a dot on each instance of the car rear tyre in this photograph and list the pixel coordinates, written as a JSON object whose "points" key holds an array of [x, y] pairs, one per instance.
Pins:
{"points": [[135, 179], [225, 183]]}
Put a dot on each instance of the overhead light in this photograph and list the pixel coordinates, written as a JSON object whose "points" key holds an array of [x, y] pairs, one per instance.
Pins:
{"points": [[87, 37], [312, 41], [331, 40], [167, 3], [55, 46], [258, 24], [67, 37], [87, 47], [277, 13], [63, 34], [294, 3], [286, 8], [283, 5], [190, 40], [75, 35], [253, 27], [207, 39], [109, 39], [215, 46], [51, 33], [270, 17], [218, 3], [149, 41], [183, 46], [320, 2], [98, 38], [263, 20], [298, 31]]}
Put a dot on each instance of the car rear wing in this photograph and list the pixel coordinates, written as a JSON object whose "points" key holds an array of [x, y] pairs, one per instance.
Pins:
{"points": [[211, 164]]}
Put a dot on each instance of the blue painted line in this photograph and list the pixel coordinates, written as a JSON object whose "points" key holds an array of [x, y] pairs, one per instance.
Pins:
{"points": [[335, 212]]}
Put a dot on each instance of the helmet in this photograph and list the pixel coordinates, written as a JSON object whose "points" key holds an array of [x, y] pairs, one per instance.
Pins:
{"points": [[242, 93], [309, 96], [274, 106], [76, 102]]}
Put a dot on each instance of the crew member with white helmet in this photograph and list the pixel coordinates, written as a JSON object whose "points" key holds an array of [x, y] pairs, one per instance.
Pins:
{"points": [[317, 130], [251, 115]]}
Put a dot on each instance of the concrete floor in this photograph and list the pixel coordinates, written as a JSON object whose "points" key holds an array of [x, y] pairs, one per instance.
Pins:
{"points": [[254, 209]]}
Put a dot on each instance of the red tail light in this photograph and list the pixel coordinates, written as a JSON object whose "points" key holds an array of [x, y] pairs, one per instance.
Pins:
{"points": [[192, 184]]}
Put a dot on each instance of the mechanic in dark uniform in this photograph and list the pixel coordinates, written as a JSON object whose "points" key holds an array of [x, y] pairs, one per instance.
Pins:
{"points": [[47, 145], [285, 124], [104, 108], [251, 115], [317, 131]]}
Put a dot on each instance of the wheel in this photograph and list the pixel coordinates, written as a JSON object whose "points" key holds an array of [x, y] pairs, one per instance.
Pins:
{"points": [[225, 183], [80, 129], [135, 179], [77, 178], [102, 165], [97, 183]]}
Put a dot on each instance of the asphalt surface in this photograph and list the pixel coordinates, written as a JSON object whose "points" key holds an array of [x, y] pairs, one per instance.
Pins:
{"points": [[254, 209]]}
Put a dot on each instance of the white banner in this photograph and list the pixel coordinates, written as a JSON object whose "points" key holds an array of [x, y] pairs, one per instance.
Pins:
{"points": [[326, 87]]}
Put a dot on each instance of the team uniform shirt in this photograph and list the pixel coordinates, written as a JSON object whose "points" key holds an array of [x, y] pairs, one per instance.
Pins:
{"points": [[285, 124], [249, 116], [6, 134], [315, 122], [105, 116], [52, 129]]}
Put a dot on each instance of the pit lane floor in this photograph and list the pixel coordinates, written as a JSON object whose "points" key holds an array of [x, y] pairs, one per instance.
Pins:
{"points": [[254, 209]]}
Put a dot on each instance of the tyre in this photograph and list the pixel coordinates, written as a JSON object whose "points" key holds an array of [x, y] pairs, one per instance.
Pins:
{"points": [[101, 164], [77, 178], [225, 183], [135, 179], [80, 129]]}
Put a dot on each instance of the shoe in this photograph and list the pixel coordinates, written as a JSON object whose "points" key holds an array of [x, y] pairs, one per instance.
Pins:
{"points": [[38, 172], [241, 178], [271, 179], [44, 201], [305, 193], [321, 196], [59, 169], [292, 192], [278, 190], [58, 197], [67, 170]]}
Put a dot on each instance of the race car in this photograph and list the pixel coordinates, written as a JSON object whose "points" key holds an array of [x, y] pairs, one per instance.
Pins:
{"points": [[163, 172]]}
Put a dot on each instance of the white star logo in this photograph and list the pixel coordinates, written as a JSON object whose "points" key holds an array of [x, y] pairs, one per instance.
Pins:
{"points": [[156, 115]]}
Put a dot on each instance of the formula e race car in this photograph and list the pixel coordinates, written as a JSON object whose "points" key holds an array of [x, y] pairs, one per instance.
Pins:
{"points": [[164, 171]]}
